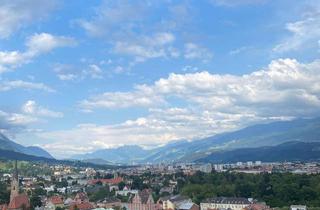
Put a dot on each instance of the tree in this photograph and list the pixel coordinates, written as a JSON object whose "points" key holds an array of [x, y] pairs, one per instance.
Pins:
{"points": [[121, 185], [35, 201]]}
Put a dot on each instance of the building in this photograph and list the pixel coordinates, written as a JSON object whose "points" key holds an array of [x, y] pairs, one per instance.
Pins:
{"points": [[206, 168], [258, 206], [81, 197], [173, 202], [298, 207], [17, 201], [189, 206], [143, 200], [54, 202], [14, 182], [225, 203]]}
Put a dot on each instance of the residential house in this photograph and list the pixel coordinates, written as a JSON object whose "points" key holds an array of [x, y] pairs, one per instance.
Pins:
{"points": [[143, 200], [54, 202], [174, 202]]}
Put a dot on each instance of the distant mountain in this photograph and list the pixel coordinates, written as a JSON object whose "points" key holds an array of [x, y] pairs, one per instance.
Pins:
{"points": [[125, 154], [12, 155], [97, 161], [290, 151], [270, 134], [7, 144]]}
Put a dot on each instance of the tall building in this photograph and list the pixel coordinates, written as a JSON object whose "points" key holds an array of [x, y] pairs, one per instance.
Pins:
{"points": [[17, 201], [14, 182]]}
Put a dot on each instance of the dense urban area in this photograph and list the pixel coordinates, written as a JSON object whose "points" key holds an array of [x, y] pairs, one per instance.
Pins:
{"points": [[250, 186]]}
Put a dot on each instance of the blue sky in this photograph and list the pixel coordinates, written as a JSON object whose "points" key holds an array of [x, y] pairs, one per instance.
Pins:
{"points": [[76, 76]]}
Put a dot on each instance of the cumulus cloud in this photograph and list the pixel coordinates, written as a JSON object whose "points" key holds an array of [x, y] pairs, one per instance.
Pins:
{"points": [[44, 43], [159, 127], [32, 108], [15, 15], [20, 84], [215, 103], [36, 45], [266, 91]]}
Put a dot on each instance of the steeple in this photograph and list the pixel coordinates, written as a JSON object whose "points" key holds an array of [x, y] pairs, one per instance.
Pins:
{"points": [[15, 182]]}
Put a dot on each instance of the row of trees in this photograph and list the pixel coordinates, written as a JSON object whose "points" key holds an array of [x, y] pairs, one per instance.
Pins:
{"points": [[276, 189]]}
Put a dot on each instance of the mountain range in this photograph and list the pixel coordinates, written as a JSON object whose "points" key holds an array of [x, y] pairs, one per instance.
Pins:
{"points": [[256, 136], [289, 151], [7, 144]]}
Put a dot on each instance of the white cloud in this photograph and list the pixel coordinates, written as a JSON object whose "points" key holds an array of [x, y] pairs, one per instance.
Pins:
{"points": [[94, 71], [194, 51], [122, 100], [30, 114], [44, 43], [33, 109], [214, 103], [8, 120], [36, 44], [284, 80], [19, 84], [146, 47], [304, 34], [15, 15], [67, 72]]}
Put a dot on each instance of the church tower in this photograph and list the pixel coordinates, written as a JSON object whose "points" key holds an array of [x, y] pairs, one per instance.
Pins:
{"points": [[14, 182]]}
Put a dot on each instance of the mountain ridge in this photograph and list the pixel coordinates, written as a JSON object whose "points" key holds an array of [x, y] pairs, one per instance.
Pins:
{"points": [[7, 144], [289, 151], [259, 135]]}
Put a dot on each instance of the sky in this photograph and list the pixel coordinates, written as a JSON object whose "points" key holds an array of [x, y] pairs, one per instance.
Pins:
{"points": [[77, 76]]}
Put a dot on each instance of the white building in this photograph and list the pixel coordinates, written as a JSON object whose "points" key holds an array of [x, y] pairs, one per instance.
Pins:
{"points": [[298, 207], [225, 203], [218, 167], [206, 168]]}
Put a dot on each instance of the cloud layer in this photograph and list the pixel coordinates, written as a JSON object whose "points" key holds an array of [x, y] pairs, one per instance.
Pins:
{"points": [[214, 103]]}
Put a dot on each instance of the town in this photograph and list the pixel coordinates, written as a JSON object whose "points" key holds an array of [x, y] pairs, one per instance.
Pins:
{"points": [[180, 186]]}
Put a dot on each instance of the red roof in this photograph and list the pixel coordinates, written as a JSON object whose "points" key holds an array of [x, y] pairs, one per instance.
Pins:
{"points": [[80, 197], [81, 206], [56, 200], [106, 181], [3, 207], [19, 201]]}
